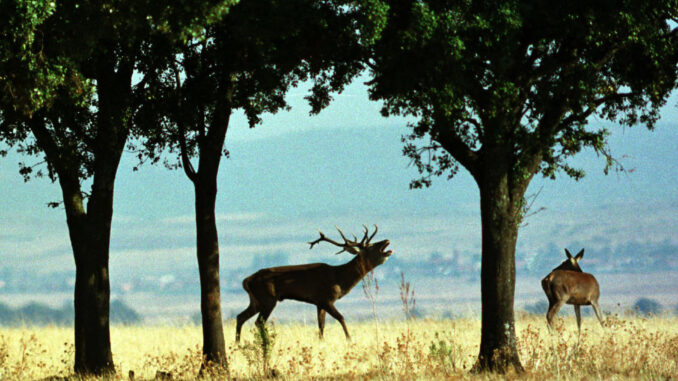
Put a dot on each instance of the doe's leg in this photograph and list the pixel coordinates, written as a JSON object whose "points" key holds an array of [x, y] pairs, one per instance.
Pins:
{"points": [[596, 309], [577, 313], [553, 310]]}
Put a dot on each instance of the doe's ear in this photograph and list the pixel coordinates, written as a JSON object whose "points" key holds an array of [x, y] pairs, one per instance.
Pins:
{"points": [[567, 252], [579, 255]]}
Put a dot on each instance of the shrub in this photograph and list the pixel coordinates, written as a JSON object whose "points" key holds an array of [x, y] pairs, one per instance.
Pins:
{"points": [[647, 307]]}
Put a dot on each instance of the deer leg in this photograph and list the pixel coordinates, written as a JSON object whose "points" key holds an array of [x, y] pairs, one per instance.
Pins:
{"points": [[577, 313], [335, 314], [596, 309], [321, 321], [265, 312], [242, 318], [553, 310]]}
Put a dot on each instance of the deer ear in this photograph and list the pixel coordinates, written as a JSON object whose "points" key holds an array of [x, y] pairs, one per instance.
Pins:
{"points": [[353, 250], [579, 255], [567, 252]]}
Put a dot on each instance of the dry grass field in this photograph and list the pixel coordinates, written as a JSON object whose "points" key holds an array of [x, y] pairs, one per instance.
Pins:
{"points": [[628, 348]]}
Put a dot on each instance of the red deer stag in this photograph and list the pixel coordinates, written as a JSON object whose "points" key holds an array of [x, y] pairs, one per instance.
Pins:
{"points": [[315, 283], [567, 283]]}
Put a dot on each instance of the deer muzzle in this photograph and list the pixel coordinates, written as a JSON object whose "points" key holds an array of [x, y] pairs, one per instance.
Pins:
{"points": [[384, 245]]}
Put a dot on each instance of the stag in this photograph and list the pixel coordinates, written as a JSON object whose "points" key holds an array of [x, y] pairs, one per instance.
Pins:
{"points": [[316, 283], [568, 284]]}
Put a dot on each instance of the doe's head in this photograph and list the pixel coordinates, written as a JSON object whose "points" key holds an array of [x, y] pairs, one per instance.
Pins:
{"points": [[572, 262]]}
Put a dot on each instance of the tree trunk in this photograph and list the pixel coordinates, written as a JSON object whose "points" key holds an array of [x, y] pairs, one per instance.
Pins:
{"points": [[90, 236], [500, 218], [214, 349], [92, 295]]}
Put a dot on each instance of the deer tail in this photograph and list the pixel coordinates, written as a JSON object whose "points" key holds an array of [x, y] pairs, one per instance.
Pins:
{"points": [[545, 284]]}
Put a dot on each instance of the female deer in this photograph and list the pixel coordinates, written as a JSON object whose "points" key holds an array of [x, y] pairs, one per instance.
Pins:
{"points": [[567, 283]]}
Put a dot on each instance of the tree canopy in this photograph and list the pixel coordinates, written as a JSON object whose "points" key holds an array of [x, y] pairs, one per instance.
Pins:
{"points": [[256, 54], [523, 75], [51, 64]]}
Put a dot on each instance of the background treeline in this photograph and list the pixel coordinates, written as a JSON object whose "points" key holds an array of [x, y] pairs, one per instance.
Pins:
{"points": [[35, 313], [39, 314], [642, 307]]}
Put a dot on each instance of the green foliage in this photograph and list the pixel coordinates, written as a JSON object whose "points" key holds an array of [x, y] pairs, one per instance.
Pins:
{"points": [[25, 77], [445, 352], [515, 82], [259, 351], [57, 60], [264, 339], [248, 61]]}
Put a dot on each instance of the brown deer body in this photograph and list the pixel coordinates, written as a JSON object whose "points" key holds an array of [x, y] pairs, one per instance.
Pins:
{"points": [[316, 283], [568, 284]]}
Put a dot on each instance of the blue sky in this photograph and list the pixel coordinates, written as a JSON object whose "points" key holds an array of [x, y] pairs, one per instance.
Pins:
{"points": [[296, 174]]}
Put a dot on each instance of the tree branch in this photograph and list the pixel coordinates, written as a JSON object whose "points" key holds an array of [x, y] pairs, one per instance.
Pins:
{"points": [[456, 147], [185, 159], [593, 107]]}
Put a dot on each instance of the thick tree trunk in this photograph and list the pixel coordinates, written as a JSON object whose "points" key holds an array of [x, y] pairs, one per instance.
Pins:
{"points": [[92, 295], [90, 236], [214, 349], [500, 218]]}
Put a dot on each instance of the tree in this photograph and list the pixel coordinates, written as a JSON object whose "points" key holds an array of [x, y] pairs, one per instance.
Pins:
{"points": [[248, 61], [68, 96], [506, 89], [647, 307]]}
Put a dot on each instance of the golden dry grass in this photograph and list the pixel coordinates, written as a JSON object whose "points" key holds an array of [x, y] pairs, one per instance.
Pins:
{"points": [[628, 348]]}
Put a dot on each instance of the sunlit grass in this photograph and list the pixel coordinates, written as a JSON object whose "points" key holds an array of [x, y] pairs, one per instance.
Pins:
{"points": [[628, 348]]}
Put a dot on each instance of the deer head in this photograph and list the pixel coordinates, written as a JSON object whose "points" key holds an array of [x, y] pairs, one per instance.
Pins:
{"points": [[571, 263], [373, 253]]}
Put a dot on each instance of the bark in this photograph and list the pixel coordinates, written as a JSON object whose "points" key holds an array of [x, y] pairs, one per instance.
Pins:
{"points": [[91, 300], [214, 349], [90, 237], [500, 218]]}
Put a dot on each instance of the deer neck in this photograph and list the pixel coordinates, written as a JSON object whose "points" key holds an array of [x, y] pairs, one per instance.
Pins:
{"points": [[349, 274], [567, 267]]}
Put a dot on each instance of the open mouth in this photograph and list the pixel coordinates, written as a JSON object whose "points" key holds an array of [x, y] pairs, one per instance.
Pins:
{"points": [[384, 246]]}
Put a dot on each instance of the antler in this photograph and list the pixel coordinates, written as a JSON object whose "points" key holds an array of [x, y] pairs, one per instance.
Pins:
{"points": [[366, 241], [376, 229], [348, 245]]}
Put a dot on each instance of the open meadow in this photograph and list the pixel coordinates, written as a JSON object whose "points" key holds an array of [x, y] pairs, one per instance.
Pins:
{"points": [[628, 348]]}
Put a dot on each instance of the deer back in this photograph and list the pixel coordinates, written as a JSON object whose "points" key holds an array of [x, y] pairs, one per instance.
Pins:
{"points": [[574, 287], [307, 282]]}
